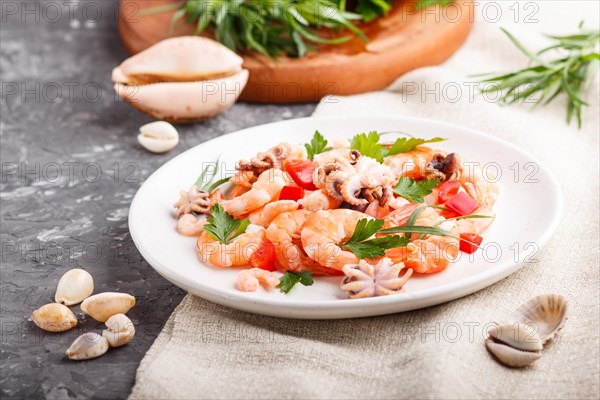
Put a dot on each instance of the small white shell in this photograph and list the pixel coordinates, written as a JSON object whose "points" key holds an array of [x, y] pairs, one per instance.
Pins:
{"points": [[120, 330], [511, 357], [104, 305], [547, 313], [54, 317], [158, 137], [74, 286], [89, 345], [517, 336]]}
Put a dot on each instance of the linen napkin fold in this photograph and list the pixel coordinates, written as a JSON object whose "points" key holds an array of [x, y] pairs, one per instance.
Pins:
{"points": [[209, 351]]}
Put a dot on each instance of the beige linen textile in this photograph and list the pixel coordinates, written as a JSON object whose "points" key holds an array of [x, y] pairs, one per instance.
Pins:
{"points": [[210, 351]]}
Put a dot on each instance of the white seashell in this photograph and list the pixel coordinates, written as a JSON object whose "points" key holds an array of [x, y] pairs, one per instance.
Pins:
{"points": [[54, 317], [104, 305], [158, 137], [74, 286], [182, 79], [509, 356], [120, 330], [89, 345], [546, 313], [518, 336]]}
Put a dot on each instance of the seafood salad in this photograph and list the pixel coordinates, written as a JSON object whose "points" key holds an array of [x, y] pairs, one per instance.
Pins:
{"points": [[371, 211]]}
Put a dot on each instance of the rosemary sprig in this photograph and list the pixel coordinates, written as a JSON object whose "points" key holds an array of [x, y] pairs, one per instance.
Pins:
{"points": [[279, 27], [546, 79]]}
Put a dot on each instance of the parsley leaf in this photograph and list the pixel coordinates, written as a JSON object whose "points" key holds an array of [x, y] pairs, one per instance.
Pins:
{"points": [[289, 280], [223, 226], [368, 145], [363, 248], [413, 190], [317, 145], [403, 145]]}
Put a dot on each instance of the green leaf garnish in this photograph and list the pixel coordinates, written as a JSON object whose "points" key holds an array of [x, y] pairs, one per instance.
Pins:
{"points": [[223, 226], [317, 145], [404, 145], [368, 145], [421, 4], [206, 180], [414, 191], [428, 230], [289, 280], [372, 248]]}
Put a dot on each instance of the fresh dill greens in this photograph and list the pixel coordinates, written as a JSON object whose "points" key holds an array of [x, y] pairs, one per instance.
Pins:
{"points": [[414, 191], [363, 247], [279, 27], [569, 73], [290, 279], [318, 144], [223, 226]]}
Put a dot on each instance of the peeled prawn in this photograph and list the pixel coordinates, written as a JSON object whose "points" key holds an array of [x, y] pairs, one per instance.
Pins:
{"points": [[319, 200], [411, 164], [264, 190], [323, 233], [264, 216], [190, 225], [248, 280], [284, 233], [237, 253]]}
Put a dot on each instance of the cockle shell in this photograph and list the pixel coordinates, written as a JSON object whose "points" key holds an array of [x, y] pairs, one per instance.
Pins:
{"points": [[510, 356], [546, 313], [54, 317], [89, 345], [104, 305], [120, 330], [74, 287], [517, 336], [182, 79], [158, 137]]}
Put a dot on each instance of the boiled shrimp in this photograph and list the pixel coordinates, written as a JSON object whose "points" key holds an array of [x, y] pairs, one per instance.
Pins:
{"points": [[234, 254], [411, 164], [248, 280], [318, 200], [190, 225], [264, 190], [323, 233], [284, 233], [431, 253], [263, 216], [480, 185], [476, 225]]}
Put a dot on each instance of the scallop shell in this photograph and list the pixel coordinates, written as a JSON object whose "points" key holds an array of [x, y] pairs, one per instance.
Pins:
{"points": [[511, 357], [120, 330], [104, 305], [518, 336], [158, 137], [54, 317], [182, 79], [547, 313], [89, 345], [74, 287]]}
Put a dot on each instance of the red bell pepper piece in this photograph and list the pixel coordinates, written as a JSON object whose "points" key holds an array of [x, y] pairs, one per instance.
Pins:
{"points": [[470, 242], [264, 256], [462, 204], [302, 173], [447, 190], [291, 193]]}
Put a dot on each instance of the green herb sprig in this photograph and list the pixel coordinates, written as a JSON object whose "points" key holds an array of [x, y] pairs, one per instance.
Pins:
{"points": [[318, 144], [206, 180], [223, 226], [290, 279], [546, 79], [368, 145], [414, 191], [363, 247]]}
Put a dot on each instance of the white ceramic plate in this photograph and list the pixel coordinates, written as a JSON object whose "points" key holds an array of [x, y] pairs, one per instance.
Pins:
{"points": [[528, 212]]}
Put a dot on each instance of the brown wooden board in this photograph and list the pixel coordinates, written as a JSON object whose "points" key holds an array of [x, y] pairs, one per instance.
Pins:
{"points": [[400, 42]]}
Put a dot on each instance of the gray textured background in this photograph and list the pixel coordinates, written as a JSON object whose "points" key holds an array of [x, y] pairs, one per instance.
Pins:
{"points": [[70, 167]]}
